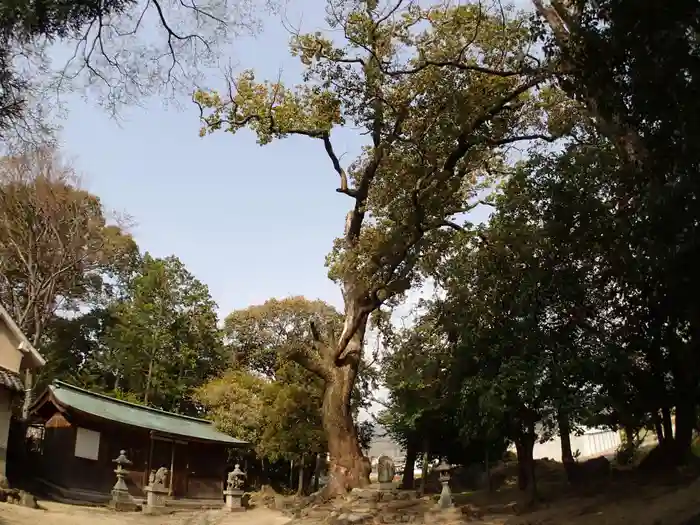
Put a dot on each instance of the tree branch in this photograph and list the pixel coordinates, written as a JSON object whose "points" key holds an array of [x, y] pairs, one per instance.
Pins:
{"points": [[313, 361]]}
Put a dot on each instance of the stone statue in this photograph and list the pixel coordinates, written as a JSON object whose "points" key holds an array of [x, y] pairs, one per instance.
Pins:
{"points": [[152, 477], [160, 477], [386, 470], [234, 480], [234, 490]]}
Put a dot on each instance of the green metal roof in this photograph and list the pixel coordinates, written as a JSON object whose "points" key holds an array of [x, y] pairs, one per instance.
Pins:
{"points": [[106, 407]]}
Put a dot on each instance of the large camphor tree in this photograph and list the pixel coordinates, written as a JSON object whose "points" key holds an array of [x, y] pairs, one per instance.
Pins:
{"points": [[441, 92]]}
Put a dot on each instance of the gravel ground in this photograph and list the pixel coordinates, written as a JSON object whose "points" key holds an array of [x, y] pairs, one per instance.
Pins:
{"points": [[57, 514]]}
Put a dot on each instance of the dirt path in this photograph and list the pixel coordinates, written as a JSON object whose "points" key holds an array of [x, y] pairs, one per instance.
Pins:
{"points": [[57, 514]]}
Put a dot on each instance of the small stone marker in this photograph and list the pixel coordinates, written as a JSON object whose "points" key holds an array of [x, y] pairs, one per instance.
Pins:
{"points": [[234, 490], [386, 470], [121, 499]]}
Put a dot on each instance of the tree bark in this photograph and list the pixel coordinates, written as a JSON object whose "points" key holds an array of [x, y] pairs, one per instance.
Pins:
{"points": [[521, 455], [603, 104], [408, 481], [28, 390], [347, 468], [526, 463], [567, 456], [685, 423]]}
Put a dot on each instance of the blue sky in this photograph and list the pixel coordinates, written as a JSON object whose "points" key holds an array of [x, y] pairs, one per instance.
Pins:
{"points": [[251, 222]]}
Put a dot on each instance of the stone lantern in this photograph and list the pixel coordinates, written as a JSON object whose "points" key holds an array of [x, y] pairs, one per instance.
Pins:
{"points": [[443, 470], [234, 489], [121, 499]]}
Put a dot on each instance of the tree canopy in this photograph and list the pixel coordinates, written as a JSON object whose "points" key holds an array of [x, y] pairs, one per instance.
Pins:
{"points": [[441, 92], [58, 249]]}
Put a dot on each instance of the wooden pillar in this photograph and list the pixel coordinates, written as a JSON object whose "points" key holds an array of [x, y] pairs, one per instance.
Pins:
{"points": [[172, 469], [149, 461]]}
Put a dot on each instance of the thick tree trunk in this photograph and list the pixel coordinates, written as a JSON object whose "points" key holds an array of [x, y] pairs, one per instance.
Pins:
{"points": [[408, 481], [599, 101], [348, 468], [685, 384], [526, 463], [264, 477], [567, 456], [685, 423]]}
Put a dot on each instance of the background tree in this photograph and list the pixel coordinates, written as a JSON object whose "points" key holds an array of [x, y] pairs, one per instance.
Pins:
{"points": [[57, 248], [163, 342], [618, 57], [440, 91], [73, 347], [418, 414]]}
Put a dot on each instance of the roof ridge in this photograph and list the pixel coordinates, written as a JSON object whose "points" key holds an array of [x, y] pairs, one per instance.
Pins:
{"points": [[62, 384]]}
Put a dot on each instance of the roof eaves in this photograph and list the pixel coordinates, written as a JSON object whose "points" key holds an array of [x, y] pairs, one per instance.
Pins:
{"points": [[11, 380], [24, 344]]}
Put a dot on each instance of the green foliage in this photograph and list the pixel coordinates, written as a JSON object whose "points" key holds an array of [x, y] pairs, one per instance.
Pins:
{"points": [[164, 342], [154, 344], [278, 401], [129, 397], [267, 396], [263, 337], [622, 70], [438, 114], [236, 402], [71, 346]]}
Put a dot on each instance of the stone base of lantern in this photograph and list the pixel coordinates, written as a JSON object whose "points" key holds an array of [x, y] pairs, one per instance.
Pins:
{"points": [[233, 501], [445, 501], [438, 515], [122, 501]]}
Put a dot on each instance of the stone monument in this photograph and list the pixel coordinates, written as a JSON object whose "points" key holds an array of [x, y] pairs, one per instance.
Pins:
{"points": [[234, 490], [121, 499], [157, 491], [386, 470]]}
